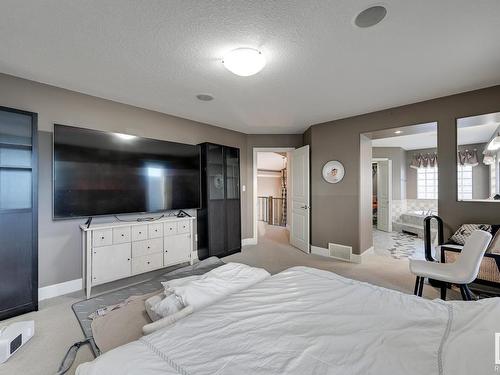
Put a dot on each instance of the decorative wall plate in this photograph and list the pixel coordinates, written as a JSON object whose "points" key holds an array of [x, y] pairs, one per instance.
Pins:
{"points": [[333, 171]]}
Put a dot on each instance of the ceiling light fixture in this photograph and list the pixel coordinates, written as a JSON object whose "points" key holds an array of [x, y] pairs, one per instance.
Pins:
{"points": [[125, 137], [398, 132], [370, 16], [244, 61], [205, 97]]}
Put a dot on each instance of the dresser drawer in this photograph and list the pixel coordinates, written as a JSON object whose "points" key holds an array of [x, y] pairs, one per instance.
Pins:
{"points": [[183, 227], [139, 232], [155, 230], [147, 263], [103, 237], [145, 247], [170, 229], [121, 235]]}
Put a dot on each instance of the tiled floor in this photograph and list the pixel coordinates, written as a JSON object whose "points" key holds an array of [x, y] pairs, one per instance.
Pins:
{"points": [[397, 245]]}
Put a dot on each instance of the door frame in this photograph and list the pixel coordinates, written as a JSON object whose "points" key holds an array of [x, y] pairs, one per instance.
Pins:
{"points": [[389, 211], [254, 239]]}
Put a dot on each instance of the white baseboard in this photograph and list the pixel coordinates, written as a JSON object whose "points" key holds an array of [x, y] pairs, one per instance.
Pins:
{"points": [[59, 289], [249, 241]]}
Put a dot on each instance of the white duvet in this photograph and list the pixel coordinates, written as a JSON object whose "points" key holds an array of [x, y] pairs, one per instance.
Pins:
{"points": [[307, 321]]}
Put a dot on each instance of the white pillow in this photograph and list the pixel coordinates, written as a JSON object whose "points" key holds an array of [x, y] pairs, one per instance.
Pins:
{"points": [[167, 306]]}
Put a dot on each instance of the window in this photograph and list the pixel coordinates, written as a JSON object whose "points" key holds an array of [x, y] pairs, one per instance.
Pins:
{"points": [[493, 179], [464, 183], [427, 183]]}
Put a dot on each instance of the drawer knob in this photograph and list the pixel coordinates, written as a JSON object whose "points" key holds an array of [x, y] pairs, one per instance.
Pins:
{"points": [[123, 235], [149, 247], [128, 258], [148, 262], [156, 230], [102, 237], [140, 232]]}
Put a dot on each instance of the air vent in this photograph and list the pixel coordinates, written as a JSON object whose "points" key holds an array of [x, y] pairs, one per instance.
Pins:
{"points": [[205, 97], [340, 251], [370, 17]]}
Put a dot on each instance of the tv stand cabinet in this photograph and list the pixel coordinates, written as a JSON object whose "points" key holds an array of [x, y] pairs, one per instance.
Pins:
{"points": [[114, 251]]}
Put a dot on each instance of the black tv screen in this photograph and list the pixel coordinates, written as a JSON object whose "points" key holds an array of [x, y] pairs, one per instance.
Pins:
{"points": [[104, 173]]}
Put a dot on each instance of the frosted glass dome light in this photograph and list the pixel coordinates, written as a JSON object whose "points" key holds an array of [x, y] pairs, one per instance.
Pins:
{"points": [[244, 61]]}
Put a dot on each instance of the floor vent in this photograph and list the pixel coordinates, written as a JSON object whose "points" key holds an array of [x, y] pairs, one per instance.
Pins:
{"points": [[340, 251]]}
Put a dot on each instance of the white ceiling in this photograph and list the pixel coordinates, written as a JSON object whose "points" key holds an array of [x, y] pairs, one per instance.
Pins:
{"points": [[159, 54], [270, 161], [408, 142]]}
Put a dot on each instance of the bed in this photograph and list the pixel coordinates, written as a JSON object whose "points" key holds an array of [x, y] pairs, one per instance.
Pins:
{"points": [[309, 321]]}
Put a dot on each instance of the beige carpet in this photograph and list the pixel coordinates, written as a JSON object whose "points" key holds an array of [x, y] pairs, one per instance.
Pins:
{"points": [[57, 328]]}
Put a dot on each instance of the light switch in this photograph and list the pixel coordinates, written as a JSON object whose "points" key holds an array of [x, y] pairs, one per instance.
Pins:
{"points": [[243, 188]]}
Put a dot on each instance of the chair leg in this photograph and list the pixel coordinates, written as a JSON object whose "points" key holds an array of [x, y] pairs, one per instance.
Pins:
{"points": [[468, 293], [444, 287], [421, 286], [417, 284], [465, 291]]}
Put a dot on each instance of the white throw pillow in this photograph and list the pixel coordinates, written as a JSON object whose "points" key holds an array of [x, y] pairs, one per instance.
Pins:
{"points": [[152, 301], [167, 306]]}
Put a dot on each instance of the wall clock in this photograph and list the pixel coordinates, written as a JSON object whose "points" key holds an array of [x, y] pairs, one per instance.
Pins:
{"points": [[333, 171]]}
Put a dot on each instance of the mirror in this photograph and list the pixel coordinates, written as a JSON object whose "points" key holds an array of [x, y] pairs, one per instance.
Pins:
{"points": [[478, 153]]}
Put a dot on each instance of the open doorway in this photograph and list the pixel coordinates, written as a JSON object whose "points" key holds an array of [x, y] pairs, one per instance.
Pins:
{"points": [[273, 199], [404, 188], [285, 219]]}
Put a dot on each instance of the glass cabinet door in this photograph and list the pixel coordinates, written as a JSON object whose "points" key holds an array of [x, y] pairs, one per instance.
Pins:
{"points": [[15, 161], [215, 172], [232, 173], [18, 219]]}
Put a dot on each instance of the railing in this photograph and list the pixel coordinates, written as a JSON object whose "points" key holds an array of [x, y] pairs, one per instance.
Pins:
{"points": [[271, 210]]}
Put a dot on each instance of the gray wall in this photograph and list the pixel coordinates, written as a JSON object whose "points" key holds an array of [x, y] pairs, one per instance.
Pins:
{"points": [[398, 157], [336, 207], [59, 241]]}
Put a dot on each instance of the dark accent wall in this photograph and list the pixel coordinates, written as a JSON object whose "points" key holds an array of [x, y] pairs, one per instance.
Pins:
{"points": [[336, 208]]}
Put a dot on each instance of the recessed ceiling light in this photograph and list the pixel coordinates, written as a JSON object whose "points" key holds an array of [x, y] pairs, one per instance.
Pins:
{"points": [[398, 132], [244, 61], [371, 16], [205, 97]]}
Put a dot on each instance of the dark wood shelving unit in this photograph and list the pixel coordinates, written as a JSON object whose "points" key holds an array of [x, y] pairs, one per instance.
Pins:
{"points": [[18, 212], [219, 219]]}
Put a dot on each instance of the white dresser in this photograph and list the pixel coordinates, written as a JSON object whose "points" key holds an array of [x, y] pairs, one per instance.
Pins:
{"points": [[114, 251]]}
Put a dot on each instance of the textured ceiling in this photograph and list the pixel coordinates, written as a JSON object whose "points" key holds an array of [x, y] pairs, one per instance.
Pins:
{"points": [[270, 161], [158, 54]]}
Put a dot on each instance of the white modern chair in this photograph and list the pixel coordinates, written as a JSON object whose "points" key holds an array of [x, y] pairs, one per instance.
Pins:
{"points": [[461, 272]]}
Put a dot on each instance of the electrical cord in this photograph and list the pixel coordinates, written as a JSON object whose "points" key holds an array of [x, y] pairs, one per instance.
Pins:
{"points": [[70, 356]]}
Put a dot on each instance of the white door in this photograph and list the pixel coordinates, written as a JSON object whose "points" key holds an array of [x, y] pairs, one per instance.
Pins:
{"points": [[384, 195], [299, 230]]}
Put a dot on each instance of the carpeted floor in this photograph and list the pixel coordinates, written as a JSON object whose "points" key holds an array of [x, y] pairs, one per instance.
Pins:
{"points": [[57, 327]]}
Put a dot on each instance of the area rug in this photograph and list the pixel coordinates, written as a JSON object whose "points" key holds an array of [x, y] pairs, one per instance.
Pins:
{"points": [[84, 308]]}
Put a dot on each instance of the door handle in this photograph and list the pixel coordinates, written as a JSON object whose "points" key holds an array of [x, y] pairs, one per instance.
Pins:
{"points": [[305, 207]]}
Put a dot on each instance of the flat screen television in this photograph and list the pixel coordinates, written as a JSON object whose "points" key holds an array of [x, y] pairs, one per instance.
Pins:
{"points": [[104, 173]]}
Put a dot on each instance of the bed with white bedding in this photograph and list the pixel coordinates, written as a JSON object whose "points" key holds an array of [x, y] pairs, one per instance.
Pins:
{"points": [[309, 321]]}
